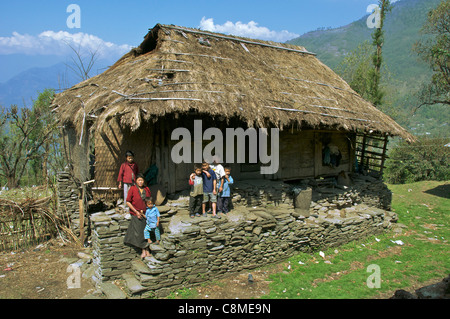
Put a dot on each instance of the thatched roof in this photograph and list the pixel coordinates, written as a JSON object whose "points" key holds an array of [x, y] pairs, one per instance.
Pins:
{"points": [[179, 70]]}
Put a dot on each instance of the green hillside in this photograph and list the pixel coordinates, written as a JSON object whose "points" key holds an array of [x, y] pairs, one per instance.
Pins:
{"points": [[407, 72]]}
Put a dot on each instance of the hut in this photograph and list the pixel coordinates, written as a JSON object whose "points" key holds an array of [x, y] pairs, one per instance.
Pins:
{"points": [[179, 76]]}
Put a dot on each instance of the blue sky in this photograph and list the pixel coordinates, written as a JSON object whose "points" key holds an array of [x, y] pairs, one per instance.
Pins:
{"points": [[35, 33]]}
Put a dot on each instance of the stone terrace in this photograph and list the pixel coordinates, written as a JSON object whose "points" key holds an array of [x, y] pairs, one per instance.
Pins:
{"points": [[263, 227]]}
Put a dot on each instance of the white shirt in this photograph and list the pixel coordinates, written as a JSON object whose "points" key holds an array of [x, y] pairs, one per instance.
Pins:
{"points": [[218, 169]]}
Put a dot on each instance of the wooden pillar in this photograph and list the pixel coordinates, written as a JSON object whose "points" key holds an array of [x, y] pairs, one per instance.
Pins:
{"points": [[383, 155], [363, 151], [81, 215], [317, 154]]}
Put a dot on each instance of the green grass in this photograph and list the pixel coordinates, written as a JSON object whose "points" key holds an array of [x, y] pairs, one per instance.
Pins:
{"points": [[22, 193], [423, 257]]}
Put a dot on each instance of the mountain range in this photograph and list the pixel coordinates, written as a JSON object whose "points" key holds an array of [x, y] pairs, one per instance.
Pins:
{"points": [[402, 29], [24, 87]]}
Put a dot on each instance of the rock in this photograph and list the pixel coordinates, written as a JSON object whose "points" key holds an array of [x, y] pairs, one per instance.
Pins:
{"points": [[100, 217], [439, 290], [163, 209], [403, 294], [162, 256], [344, 179], [112, 291], [257, 230], [263, 214], [190, 229], [156, 248], [301, 212], [303, 198], [84, 255], [133, 285]]}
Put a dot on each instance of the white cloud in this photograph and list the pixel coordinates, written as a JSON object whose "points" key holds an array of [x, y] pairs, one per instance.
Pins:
{"points": [[57, 43], [250, 30]]}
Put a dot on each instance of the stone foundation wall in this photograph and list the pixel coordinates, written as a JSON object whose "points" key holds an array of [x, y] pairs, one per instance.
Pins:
{"points": [[68, 206], [269, 222], [111, 258], [202, 248]]}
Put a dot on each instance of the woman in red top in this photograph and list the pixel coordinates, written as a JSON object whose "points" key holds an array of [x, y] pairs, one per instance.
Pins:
{"points": [[136, 203]]}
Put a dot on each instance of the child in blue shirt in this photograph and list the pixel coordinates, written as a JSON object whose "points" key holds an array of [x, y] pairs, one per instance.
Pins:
{"points": [[152, 226], [224, 196], [209, 189]]}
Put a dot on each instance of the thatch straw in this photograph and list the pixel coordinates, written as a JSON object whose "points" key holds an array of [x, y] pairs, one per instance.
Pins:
{"points": [[262, 83]]}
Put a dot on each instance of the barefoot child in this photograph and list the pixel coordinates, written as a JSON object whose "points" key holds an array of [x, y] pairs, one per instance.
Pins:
{"points": [[209, 189], [196, 194], [152, 216], [224, 195]]}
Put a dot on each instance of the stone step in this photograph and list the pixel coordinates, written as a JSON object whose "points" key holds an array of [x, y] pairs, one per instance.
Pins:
{"points": [[111, 291], [140, 267], [133, 285]]}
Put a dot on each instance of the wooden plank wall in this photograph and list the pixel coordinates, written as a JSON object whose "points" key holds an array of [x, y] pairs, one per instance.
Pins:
{"points": [[300, 153]]}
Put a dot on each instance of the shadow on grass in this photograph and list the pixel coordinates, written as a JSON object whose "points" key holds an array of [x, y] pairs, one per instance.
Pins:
{"points": [[441, 191]]}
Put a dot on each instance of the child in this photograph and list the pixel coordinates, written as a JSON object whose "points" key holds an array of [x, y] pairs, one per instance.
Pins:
{"points": [[152, 216], [196, 194], [209, 189], [224, 195], [127, 173], [218, 169]]}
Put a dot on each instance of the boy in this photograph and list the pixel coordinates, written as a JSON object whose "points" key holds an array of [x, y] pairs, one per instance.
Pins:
{"points": [[218, 169], [127, 174], [209, 189], [152, 226], [196, 194], [225, 193]]}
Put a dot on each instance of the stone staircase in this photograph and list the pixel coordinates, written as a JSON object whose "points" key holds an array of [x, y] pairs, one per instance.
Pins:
{"points": [[138, 282]]}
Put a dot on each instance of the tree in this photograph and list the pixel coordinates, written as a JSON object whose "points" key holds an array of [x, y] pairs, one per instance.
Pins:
{"points": [[434, 49], [362, 67], [426, 159], [354, 69], [25, 136], [376, 94], [82, 65], [49, 155]]}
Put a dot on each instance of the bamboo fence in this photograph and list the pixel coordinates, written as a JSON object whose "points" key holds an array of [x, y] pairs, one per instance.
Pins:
{"points": [[28, 222]]}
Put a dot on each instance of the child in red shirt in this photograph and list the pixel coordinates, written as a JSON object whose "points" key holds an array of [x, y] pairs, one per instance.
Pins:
{"points": [[127, 173]]}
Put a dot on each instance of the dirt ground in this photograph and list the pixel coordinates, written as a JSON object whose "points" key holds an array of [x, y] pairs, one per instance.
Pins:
{"points": [[41, 273], [238, 286]]}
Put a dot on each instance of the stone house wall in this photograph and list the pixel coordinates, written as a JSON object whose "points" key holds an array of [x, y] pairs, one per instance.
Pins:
{"points": [[199, 249]]}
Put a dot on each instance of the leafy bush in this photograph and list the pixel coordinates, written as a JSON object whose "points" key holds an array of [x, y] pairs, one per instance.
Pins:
{"points": [[427, 159]]}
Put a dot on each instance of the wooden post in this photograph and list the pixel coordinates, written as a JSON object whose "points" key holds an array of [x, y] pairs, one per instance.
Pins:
{"points": [[82, 208], [383, 156], [317, 154], [363, 151]]}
